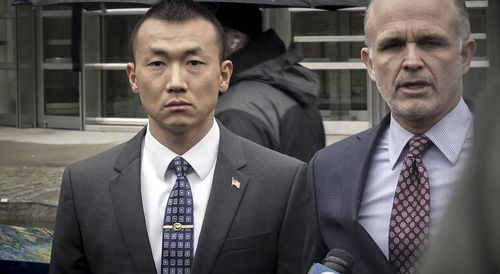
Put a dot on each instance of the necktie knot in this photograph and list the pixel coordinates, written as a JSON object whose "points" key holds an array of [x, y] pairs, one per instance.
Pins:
{"points": [[180, 166], [418, 144]]}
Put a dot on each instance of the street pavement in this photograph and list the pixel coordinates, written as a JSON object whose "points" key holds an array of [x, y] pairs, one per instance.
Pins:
{"points": [[32, 162]]}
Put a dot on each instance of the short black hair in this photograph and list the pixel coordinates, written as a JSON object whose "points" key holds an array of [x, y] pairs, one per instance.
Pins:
{"points": [[179, 11]]}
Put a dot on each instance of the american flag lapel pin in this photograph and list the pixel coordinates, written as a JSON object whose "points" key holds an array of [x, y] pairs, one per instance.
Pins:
{"points": [[235, 183]]}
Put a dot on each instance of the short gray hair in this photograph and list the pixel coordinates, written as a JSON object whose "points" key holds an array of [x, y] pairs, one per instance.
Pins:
{"points": [[462, 21]]}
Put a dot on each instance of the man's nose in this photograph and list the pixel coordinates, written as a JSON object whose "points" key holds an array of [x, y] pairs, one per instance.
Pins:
{"points": [[176, 79], [412, 58]]}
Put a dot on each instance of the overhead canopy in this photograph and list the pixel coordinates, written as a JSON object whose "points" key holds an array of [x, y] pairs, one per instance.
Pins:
{"points": [[326, 4]]}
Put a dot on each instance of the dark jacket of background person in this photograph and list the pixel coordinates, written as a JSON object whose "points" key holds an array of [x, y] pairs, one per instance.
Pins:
{"points": [[469, 241], [271, 99]]}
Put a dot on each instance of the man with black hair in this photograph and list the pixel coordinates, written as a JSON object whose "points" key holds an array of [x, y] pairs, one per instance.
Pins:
{"points": [[272, 98], [185, 195]]}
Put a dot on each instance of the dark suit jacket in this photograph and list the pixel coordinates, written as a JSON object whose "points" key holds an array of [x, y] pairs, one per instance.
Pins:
{"points": [[259, 228], [338, 175]]}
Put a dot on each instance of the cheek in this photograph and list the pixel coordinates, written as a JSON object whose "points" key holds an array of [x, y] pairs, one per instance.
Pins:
{"points": [[150, 94], [386, 74], [449, 71]]}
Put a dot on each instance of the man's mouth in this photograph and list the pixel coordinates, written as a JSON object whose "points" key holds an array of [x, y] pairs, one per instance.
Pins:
{"points": [[413, 85], [177, 103]]}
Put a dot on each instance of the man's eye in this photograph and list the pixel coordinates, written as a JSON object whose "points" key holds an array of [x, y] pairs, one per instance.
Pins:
{"points": [[155, 64], [390, 46], [194, 63], [430, 43]]}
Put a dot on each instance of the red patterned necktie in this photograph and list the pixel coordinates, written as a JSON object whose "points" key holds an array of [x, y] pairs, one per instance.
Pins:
{"points": [[410, 217]]}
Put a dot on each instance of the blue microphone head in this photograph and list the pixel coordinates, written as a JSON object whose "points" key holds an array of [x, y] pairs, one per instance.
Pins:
{"points": [[321, 269]]}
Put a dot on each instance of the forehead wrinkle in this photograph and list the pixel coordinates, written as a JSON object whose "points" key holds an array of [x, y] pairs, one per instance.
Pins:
{"points": [[392, 11], [413, 32]]}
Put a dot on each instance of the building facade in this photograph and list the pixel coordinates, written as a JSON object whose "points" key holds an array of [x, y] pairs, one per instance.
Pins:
{"points": [[64, 67]]}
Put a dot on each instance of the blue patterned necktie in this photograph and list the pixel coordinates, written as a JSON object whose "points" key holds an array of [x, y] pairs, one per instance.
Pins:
{"points": [[177, 244]]}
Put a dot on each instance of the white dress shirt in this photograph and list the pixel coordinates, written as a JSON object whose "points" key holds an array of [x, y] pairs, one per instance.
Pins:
{"points": [[444, 161], [157, 181]]}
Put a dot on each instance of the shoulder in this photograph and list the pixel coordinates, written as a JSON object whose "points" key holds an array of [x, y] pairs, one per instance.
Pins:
{"points": [[96, 166], [344, 144], [120, 155], [253, 157], [351, 147], [109, 163], [101, 159], [257, 153]]}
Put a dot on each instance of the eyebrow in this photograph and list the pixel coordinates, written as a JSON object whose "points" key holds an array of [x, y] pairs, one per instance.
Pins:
{"points": [[432, 37], [390, 41], [187, 52], [424, 37]]}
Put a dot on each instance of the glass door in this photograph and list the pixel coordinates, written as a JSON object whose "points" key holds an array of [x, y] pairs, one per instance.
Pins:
{"points": [[8, 80], [109, 102], [59, 89]]}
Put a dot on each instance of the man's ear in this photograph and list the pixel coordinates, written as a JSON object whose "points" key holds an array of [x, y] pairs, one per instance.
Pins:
{"points": [[365, 56], [226, 70], [468, 50], [132, 78]]}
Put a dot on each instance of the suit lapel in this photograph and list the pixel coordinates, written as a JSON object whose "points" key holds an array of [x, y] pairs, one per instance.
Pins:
{"points": [[125, 192], [223, 202], [364, 148]]}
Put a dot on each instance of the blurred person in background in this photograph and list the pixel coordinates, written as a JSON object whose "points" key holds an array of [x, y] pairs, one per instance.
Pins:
{"points": [[469, 241], [272, 98]]}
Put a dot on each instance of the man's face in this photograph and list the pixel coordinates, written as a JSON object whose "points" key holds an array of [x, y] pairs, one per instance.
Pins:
{"points": [[178, 75], [416, 59]]}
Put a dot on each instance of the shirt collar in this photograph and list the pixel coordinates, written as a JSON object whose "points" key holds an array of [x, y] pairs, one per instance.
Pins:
{"points": [[201, 156], [448, 135]]}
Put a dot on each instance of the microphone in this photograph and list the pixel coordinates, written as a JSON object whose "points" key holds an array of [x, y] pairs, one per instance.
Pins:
{"points": [[337, 261]]}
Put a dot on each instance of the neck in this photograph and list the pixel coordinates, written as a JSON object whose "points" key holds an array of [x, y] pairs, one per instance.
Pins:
{"points": [[420, 125]]}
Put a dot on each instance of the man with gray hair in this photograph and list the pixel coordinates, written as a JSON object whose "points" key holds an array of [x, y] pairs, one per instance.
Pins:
{"points": [[389, 186]]}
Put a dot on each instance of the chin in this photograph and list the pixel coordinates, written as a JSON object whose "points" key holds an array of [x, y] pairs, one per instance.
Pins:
{"points": [[415, 111], [178, 128]]}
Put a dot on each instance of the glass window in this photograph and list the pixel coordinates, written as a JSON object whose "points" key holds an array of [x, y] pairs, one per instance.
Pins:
{"points": [[477, 18], [335, 39], [8, 93], [57, 39], [8, 79], [108, 94], [343, 95], [5, 6], [7, 40], [116, 36], [61, 92]]}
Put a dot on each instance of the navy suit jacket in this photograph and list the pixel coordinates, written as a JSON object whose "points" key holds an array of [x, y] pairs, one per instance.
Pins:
{"points": [[257, 228], [338, 175]]}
